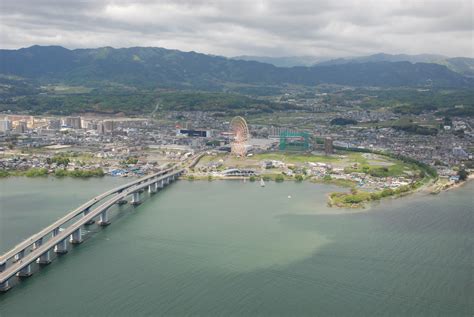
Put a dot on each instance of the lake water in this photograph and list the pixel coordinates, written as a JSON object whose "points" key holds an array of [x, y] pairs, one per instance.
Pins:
{"points": [[232, 248]]}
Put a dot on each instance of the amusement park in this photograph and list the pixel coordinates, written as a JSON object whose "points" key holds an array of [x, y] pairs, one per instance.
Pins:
{"points": [[289, 140], [289, 154]]}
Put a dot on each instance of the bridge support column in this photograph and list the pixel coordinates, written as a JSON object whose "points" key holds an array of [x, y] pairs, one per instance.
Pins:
{"points": [[76, 237], [3, 266], [136, 198], [86, 212], [44, 258], [122, 202], [55, 232], [155, 186], [25, 272], [5, 286], [162, 183], [61, 247], [19, 256], [104, 218], [151, 189], [38, 243]]}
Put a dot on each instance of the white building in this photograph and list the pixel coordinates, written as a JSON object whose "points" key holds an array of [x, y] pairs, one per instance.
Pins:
{"points": [[5, 125]]}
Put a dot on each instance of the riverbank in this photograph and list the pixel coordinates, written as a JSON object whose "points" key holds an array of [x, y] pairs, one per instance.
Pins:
{"points": [[443, 185], [359, 199], [43, 172], [356, 198], [370, 176]]}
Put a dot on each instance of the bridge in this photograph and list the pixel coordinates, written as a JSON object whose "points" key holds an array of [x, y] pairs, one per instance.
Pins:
{"points": [[39, 247]]}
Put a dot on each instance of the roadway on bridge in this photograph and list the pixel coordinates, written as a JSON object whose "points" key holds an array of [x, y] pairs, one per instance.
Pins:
{"points": [[53, 241], [121, 193], [60, 222]]}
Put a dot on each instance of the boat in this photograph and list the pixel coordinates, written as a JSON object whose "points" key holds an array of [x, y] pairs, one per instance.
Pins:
{"points": [[262, 183]]}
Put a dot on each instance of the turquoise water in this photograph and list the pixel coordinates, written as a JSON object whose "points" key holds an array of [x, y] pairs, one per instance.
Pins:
{"points": [[232, 248]]}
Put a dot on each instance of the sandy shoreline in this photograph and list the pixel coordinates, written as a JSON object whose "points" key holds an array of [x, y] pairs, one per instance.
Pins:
{"points": [[437, 188]]}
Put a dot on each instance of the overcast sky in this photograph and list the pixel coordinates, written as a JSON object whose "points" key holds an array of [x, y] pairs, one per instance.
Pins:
{"points": [[257, 27]]}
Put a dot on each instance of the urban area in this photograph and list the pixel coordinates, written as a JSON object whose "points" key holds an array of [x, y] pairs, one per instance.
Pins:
{"points": [[93, 145]]}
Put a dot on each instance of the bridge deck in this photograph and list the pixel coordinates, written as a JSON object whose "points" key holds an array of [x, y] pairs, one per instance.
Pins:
{"points": [[58, 223], [50, 243]]}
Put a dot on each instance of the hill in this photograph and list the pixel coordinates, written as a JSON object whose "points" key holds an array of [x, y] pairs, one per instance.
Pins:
{"points": [[461, 65], [150, 67], [284, 61]]}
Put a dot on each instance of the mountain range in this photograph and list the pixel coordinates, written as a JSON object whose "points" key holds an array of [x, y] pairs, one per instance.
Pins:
{"points": [[150, 67], [462, 65]]}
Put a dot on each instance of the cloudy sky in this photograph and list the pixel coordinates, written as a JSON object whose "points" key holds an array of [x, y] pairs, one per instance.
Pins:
{"points": [[255, 27]]}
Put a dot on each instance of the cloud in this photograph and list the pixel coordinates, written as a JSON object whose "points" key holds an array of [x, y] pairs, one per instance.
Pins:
{"points": [[257, 27]]}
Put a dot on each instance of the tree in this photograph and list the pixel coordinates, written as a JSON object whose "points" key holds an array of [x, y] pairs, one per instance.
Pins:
{"points": [[462, 174], [279, 178]]}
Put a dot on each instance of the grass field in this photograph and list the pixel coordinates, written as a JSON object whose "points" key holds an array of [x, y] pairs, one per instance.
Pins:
{"points": [[68, 90], [350, 160], [295, 157]]}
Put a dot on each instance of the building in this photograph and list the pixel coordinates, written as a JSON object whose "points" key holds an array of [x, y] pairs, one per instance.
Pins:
{"points": [[17, 118], [109, 126], [5, 125], [328, 146], [194, 133], [238, 172], [459, 152], [21, 127], [100, 128], [54, 124], [73, 122]]}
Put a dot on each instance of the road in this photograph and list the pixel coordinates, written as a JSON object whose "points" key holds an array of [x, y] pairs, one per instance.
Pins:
{"points": [[50, 243], [60, 222]]}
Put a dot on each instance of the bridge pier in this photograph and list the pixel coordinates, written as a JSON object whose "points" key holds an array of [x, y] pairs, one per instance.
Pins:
{"points": [[5, 286], [122, 202], [76, 237], [86, 212], [162, 184], [151, 189], [3, 266], [136, 198], [55, 232], [25, 272], [44, 258], [19, 256], [104, 218], [37, 243], [61, 247]]}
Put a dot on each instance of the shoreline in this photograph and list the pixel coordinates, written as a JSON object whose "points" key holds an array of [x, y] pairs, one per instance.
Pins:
{"points": [[430, 187], [435, 189]]}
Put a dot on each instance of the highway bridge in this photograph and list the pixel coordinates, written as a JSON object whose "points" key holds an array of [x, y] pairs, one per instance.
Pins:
{"points": [[55, 238]]}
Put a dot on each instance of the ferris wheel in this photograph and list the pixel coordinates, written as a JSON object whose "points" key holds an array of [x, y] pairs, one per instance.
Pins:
{"points": [[240, 132]]}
